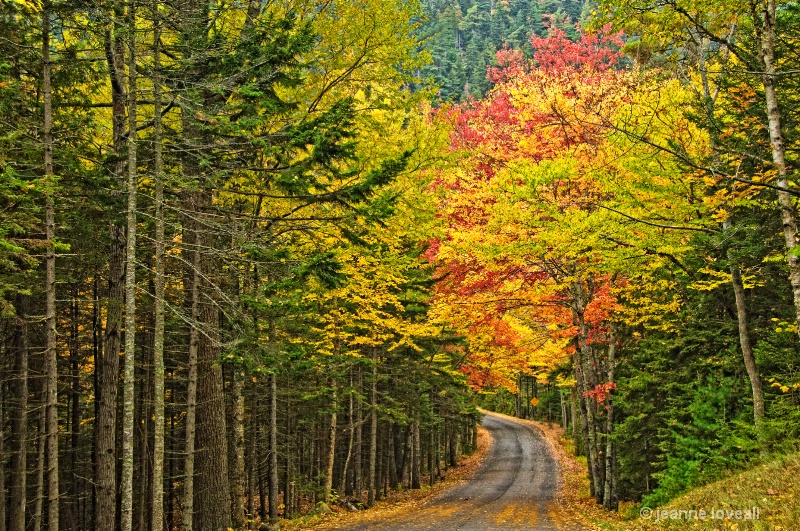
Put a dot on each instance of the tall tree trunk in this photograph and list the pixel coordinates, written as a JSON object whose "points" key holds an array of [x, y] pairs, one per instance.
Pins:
{"points": [[78, 483], [126, 502], [357, 465], [788, 214], [416, 453], [576, 437], [2, 457], [744, 338], [288, 489], [272, 486], [105, 426], [453, 446], [212, 501], [736, 277], [106, 422], [373, 435], [157, 500], [328, 485], [586, 367], [36, 517], [51, 359], [252, 452], [238, 473], [187, 508], [608, 491], [19, 428], [432, 451], [350, 436]]}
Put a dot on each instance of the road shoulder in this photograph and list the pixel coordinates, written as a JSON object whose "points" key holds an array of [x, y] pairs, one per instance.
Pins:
{"points": [[398, 502]]}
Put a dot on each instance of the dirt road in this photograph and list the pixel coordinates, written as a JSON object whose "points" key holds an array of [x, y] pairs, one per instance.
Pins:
{"points": [[514, 488]]}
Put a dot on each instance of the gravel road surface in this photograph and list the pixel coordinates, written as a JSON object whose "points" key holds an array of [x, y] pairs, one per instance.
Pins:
{"points": [[514, 488]]}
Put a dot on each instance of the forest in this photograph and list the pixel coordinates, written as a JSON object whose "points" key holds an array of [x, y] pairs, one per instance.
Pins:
{"points": [[258, 260]]}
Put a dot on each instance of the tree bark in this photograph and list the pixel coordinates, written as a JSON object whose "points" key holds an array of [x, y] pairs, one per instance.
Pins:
{"points": [[357, 464], [238, 473], [585, 367], [106, 422], [212, 502], [373, 436], [788, 214], [273, 448], [350, 437], [744, 338], [736, 277], [19, 428], [331, 457], [126, 502], [187, 508], [288, 489], [36, 517], [576, 436], [416, 457], [608, 491], [157, 499], [2, 457], [51, 359], [252, 452]]}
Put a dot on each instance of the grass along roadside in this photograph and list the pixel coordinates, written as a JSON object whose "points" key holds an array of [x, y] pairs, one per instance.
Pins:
{"points": [[772, 489], [396, 501]]}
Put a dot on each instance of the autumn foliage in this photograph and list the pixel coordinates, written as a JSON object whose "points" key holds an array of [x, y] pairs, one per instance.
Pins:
{"points": [[504, 280]]}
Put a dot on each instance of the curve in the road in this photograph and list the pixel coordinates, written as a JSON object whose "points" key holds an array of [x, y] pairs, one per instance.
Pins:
{"points": [[514, 488]]}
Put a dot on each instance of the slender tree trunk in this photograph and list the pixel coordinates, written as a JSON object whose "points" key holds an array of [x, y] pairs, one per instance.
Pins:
{"points": [[262, 493], [157, 500], [453, 446], [36, 517], [106, 422], [744, 338], [416, 454], [788, 214], [78, 483], [126, 503], [373, 436], [238, 475], [576, 434], [97, 362], [51, 359], [357, 465], [350, 437], [396, 453], [212, 504], [252, 452], [328, 485], [288, 489], [19, 428], [431, 454], [608, 491], [587, 378], [2, 457], [273, 447], [191, 393], [736, 277]]}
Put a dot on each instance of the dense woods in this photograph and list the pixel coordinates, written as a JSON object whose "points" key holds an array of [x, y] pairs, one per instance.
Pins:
{"points": [[210, 313], [257, 260]]}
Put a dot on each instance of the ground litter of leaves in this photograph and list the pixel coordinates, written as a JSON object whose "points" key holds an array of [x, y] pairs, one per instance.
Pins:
{"points": [[397, 501]]}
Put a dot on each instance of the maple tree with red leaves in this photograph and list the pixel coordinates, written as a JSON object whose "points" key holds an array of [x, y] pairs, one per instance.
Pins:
{"points": [[526, 301]]}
